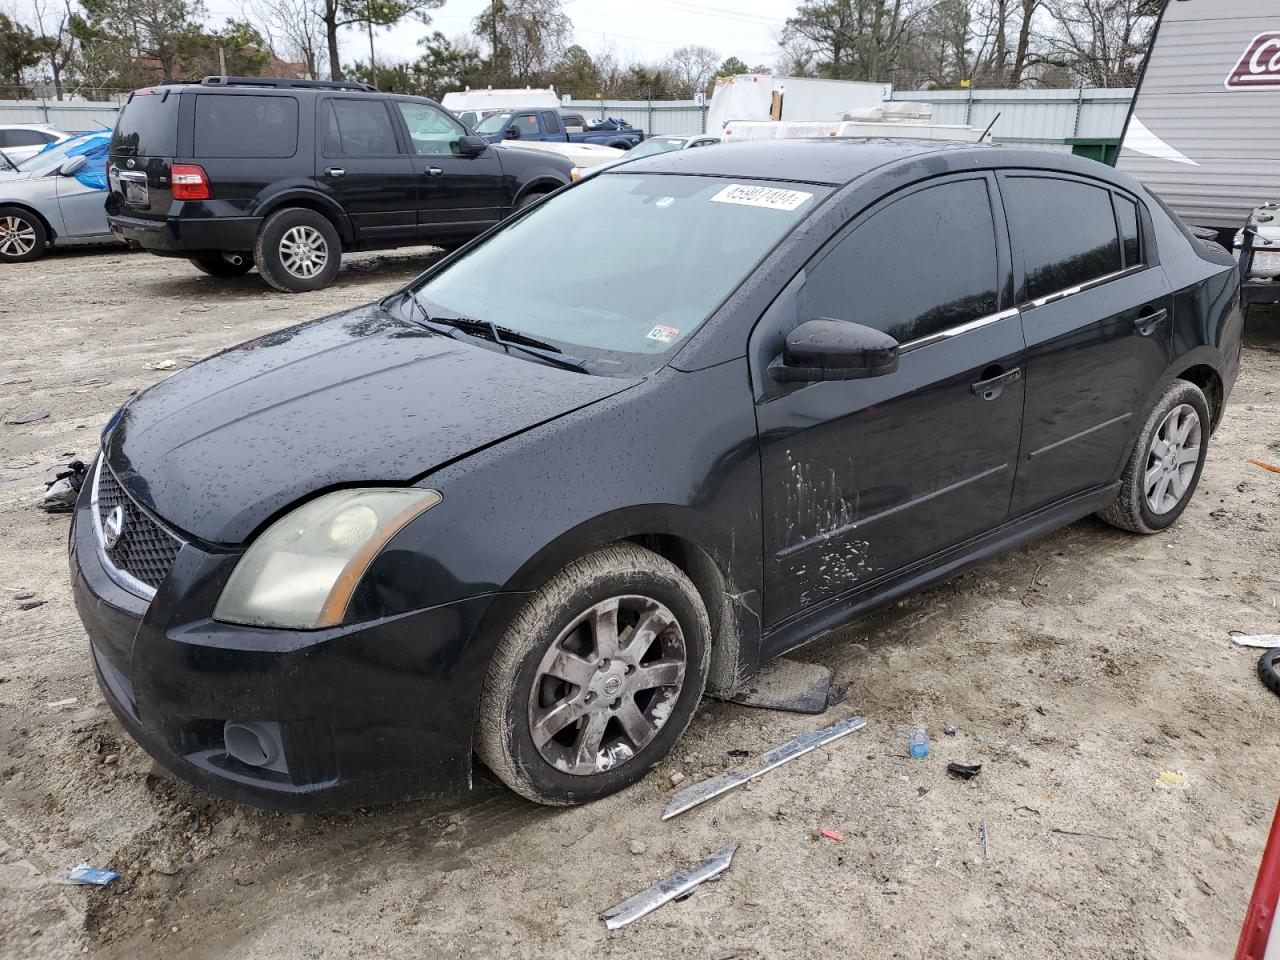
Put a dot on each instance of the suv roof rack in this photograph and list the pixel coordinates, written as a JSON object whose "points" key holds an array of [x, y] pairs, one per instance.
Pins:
{"points": [[275, 82]]}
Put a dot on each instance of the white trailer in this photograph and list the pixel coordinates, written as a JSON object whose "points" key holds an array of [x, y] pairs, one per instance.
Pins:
{"points": [[759, 96], [1202, 132], [902, 119]]}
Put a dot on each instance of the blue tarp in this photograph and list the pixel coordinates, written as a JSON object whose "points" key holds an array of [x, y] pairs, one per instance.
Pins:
{"points": [[94, 146]]}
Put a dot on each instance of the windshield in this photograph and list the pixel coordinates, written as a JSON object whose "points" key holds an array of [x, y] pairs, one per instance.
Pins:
{"points": [[494, 123], [655, 145], [620, 270], [50, 159]]}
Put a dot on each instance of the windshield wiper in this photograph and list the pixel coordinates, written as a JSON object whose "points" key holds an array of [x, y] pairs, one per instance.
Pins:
{"points": [[505, 337]]}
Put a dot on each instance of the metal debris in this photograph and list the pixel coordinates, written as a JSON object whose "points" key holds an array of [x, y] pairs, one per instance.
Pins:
{"points": [[675, 886], [690, 797], [965, 771], [22, 418], [1261, 641], [982, 838]]}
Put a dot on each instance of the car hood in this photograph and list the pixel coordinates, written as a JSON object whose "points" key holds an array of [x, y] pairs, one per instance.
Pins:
{"points": [[357, 398]]}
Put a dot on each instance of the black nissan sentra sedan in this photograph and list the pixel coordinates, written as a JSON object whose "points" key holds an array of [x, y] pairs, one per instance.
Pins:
{"points": [[628, 446]]}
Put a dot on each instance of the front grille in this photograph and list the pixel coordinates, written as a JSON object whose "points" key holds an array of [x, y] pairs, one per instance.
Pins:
{"points": [[145, 550]]}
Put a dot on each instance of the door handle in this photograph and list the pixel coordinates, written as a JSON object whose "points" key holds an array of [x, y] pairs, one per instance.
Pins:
{"points": [[1146, 323], [434, 171], [334, 172], [992, 387]]}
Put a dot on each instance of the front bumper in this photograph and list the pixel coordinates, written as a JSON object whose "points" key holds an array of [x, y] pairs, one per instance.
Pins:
{"points": [[187, 236], [367, 714]]}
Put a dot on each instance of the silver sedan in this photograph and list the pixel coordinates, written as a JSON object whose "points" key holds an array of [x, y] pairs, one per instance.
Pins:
{"points": [[53, 199]]}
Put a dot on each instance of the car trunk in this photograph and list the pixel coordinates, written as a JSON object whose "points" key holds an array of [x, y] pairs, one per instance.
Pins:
{"points": [[141, 156]]}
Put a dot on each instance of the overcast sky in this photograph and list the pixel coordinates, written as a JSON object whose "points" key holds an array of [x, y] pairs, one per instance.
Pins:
{"points": [[645, 30]]}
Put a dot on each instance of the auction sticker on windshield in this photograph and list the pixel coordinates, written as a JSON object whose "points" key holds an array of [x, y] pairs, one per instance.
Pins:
{"points": [[772, 198], [663, 334]]}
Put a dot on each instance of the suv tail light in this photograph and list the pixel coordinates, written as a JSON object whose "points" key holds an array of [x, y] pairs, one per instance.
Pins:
{"points": [[190, 182], [1260, 920]]}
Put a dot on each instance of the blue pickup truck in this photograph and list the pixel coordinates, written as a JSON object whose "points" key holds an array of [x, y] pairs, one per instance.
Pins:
{"points": [[557, 126]]}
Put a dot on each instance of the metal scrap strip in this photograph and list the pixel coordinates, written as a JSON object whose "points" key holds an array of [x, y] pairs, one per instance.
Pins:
{"points": [[690, 797], [677, 885]]}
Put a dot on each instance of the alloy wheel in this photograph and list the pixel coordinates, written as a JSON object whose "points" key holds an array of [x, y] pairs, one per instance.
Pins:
{"points": [[303, 251], [607, 685], [17, 237], [1172, 459]]}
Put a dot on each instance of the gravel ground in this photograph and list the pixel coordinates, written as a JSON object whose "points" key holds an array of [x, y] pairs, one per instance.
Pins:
{"points": [[1077, 671]]}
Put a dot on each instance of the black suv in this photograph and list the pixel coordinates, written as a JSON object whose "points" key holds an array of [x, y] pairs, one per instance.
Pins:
{"points": [[286, 174]]}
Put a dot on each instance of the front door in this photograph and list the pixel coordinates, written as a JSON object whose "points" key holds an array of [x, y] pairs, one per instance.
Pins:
{"points": [[1099, 336], [862, 478], [83, 208], [458, 195], [365, 167]]}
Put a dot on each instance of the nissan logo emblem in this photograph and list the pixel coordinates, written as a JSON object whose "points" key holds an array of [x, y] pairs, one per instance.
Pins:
{"points": [[113, 527]]}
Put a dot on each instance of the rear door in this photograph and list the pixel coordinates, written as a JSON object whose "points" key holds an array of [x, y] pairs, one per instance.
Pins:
{"points": [[1095, 308], [863, 478], [142, 150], [362, 163], [458, 195]]}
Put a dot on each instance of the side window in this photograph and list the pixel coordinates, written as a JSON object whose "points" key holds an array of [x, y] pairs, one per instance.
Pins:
{"points": [[527, 124], [246, 126], [26, 138], [922, 265], [358, 128], [1067, 232], [1130, 235], [550, 122], [574, 123], [432, 132]]}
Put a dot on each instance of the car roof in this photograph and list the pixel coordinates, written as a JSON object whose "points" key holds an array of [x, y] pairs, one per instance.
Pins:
{"points": [[831, 161]]}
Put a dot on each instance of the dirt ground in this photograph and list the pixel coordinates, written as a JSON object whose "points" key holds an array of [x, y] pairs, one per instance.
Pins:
{"points": [[1077, 671]]}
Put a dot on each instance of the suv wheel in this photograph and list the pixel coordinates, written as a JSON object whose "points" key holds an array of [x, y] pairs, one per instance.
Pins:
{"points": [[224, 264], [298, 250], [22, 236], [596, 678], [1165, 464]]}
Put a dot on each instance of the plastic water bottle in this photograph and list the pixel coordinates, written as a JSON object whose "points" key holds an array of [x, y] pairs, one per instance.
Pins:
{"points": [[919, 745]]}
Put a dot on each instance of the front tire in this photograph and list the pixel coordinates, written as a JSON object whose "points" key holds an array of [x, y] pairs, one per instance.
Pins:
{"points": [[595, 679], [298, 251], [22, 236], [223, 265], [1164, 468]]}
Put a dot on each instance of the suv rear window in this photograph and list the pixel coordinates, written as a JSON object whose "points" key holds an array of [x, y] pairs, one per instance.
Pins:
{"points": [[246, 126], [148, 126]]}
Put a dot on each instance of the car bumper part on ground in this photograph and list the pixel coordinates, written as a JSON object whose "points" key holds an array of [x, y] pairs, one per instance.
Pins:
{"points": [[364, 714], [183, 237]]}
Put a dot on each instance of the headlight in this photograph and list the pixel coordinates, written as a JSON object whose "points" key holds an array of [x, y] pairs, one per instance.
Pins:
{"points": [[575, 175], [304, 568]]}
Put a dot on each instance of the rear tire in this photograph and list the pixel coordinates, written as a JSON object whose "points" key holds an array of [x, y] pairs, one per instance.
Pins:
{"points": [[297, 251], [22, 236], [596, 678], [1162, 473], [220, 266]]}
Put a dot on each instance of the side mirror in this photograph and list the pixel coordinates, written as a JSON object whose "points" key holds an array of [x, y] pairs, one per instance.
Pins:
{"points": [[71, 165], [835, 350], [513, 133], [472, 146]]}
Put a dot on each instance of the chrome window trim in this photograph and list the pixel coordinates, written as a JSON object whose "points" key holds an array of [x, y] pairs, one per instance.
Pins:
{"points": [[1081, 288], [956, 331], [119, 577]]}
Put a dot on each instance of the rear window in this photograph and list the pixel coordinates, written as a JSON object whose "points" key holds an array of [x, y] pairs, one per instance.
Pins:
{"points": [[246, 126], [148, 126], [1067, 232]]}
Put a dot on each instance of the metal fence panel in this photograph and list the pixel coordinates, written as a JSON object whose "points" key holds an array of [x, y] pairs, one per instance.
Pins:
{"points": [[73, 116], [1029, 117], [656, 116]]}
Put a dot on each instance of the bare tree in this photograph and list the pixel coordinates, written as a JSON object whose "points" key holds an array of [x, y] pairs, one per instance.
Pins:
{"points": [[693, 67], [53, 27], [292, 30], [526, 37], [1101, 42]]}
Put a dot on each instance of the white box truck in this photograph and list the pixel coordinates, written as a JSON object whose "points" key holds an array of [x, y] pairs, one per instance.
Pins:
{"points": [[759, 96]]}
